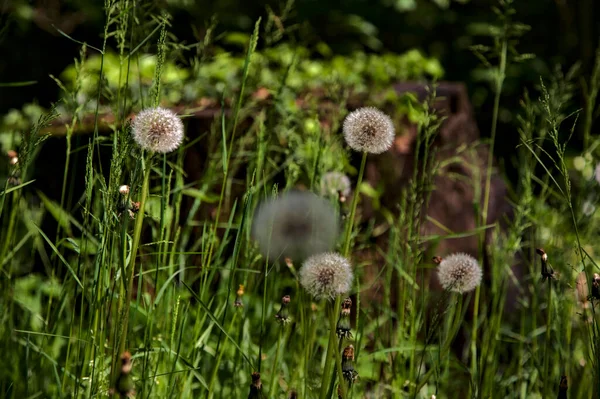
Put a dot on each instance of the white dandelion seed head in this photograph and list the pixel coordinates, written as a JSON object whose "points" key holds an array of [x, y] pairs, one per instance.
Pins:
{"points": [[588, 208], [597, 173], [158, 130], [334, 184], [459, 273], [369, 130], [326, 275], [295, 225], [124, 189]]}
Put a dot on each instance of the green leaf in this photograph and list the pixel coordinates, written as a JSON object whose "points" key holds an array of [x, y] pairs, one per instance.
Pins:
{"points": [[216, 321], [16, 187], [59, 255], [61, 216], [201, 195]]}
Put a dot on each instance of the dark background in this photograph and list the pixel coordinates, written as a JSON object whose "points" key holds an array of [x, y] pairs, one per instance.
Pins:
{"points": [[562, 33]]}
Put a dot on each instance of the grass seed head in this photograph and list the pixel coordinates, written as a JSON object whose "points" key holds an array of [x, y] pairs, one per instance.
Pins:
{"points": [[369, 130], [158, 130]]}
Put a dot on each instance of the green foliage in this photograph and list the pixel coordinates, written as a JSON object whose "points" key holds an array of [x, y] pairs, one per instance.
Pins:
{"points": [[222, 75], [168, 268]]}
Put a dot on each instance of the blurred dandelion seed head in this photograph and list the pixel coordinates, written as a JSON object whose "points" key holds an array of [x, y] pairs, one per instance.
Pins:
{"points": [[369, 130], [588, 208], [459, 273], [326, 275], [295, 225], [124, 190], [158, 130], [335, 184]]}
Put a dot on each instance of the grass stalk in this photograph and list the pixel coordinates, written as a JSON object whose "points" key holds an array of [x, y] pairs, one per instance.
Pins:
{"points": [[136, 238], [274, 373]]}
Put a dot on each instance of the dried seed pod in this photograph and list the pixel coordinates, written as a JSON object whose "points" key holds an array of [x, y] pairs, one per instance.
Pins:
{"points": [[596, 286], [547, 271], [238, 299], [563, 386], [256, 388], [124, 385], [343, 324], [350, 375], [283, 316]]}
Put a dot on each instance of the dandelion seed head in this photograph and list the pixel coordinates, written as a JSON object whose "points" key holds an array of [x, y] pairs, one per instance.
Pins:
{"points": [[369, 130], [588, 208], [295, 225], [597, 173], [459, 273], [326, 275], [335, 184], [124, 190], [158, 130]]}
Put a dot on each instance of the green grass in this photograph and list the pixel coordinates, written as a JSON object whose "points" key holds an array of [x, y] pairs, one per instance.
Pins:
{"points": [[162, 283]]}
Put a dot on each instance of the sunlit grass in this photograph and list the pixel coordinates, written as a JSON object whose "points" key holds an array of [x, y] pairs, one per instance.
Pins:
{"points": [[161, 290]]}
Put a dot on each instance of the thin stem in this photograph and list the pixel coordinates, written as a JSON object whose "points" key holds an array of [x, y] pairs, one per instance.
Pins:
{"points": [[274, 373], [490, 160], [137, 232], [546, 380], [213, 378], [330, 347], [457, 318], [474, 371], [350, 224]]}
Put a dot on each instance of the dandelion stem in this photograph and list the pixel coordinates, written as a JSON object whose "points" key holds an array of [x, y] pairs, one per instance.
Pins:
{"points": [[474, 371], [457, 318], [546, 380], [350, 224], [137, 232], [330, 346], [274, 373], [213, 377]]}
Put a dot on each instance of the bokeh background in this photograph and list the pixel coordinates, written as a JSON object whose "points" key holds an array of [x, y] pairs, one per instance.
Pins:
{"points": [[562, 33]]}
